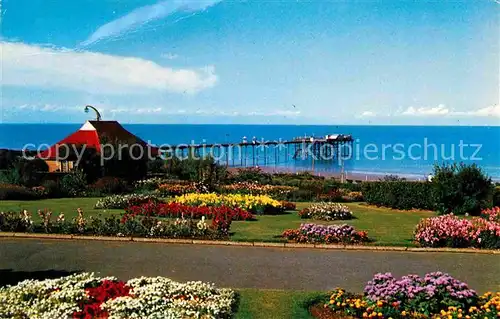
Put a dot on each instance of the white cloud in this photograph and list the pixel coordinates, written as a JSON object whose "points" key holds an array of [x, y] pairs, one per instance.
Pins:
{"points": [[145, 110], [35, 66], [144, 15], [441, 109], [368, 114], [40, 108], [489, 111]]}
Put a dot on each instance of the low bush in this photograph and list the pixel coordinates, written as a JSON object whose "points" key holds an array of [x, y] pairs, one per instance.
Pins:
{"points": [[124, 201], [86, 296], [250, 174], [400, 194], [16, 192], [452, 231], [302, 195], [250, 188], [326, 211], [496, 196], [74, 183], [325, 234], [436, 295], [109, 185], [52, 189]]}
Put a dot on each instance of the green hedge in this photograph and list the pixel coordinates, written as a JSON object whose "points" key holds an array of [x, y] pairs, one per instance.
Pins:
{"points": [[399, 194]]}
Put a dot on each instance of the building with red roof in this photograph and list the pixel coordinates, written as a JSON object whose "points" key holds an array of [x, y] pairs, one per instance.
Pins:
{"points": [[93, 135]]}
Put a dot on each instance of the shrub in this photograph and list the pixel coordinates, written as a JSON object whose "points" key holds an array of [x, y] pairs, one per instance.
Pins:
{"points": [[250, 174], [251, 188], [16, 192], [123, 201], [333, 195], [325, 234], [452, 231], [496, 196], [52, 189], [461, 189], [326, 211], [400, 194], [86, 296], [74, 183], [301, 195], [109, 185]]}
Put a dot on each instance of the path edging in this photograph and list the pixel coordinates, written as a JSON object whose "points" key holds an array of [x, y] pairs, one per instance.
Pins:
{"points": [[245, 244]]}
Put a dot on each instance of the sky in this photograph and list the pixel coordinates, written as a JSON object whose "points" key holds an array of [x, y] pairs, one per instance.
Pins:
{"points": [[275, 61]]}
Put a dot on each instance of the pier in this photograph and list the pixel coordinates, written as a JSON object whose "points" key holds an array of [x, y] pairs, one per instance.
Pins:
{"points": [[263, 153]]}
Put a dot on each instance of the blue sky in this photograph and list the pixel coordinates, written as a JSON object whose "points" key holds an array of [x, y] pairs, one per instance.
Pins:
{"points": [[290, 62]]}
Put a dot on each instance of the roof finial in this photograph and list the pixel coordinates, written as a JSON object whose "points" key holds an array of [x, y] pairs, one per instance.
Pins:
{"points": [[98, 115]]}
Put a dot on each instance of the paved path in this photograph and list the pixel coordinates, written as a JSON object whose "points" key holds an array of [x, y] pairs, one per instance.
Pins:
{"points": [[239, 267]]}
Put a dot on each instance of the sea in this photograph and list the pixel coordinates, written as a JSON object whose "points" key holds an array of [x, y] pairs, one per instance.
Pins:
{"points": [[407, 151]]}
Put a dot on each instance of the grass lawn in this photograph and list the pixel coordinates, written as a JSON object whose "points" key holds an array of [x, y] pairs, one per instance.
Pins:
{"points": [[385, 226], [273, 304], [66, 205]]}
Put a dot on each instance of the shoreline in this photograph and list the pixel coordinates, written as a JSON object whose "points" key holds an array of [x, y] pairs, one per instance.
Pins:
{"points": [[350, 176]]}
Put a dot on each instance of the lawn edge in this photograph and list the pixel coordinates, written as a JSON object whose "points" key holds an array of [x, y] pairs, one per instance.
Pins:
{"points": [[246, 244]]}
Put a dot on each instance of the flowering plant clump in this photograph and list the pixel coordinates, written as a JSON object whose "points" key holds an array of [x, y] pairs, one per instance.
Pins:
{"points": [[288, 205], [452, 231], [87, 296], [491, 214], [256, 204], [16, 222], [153, 183], [123, 201], [176, 189], [435, 296], [129, 225], [326, 211], [325, 234], [185, 211], [251, 188]]}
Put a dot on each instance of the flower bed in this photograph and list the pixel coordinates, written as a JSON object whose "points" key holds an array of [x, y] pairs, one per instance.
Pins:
{"points": [[452, 231], [176, 189], [123, 201], [249, 188], [326, 211], [436, 295], [491, 214], [256, 204], [325, 234], [185, 211], [112, 225], [87, 296]]}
